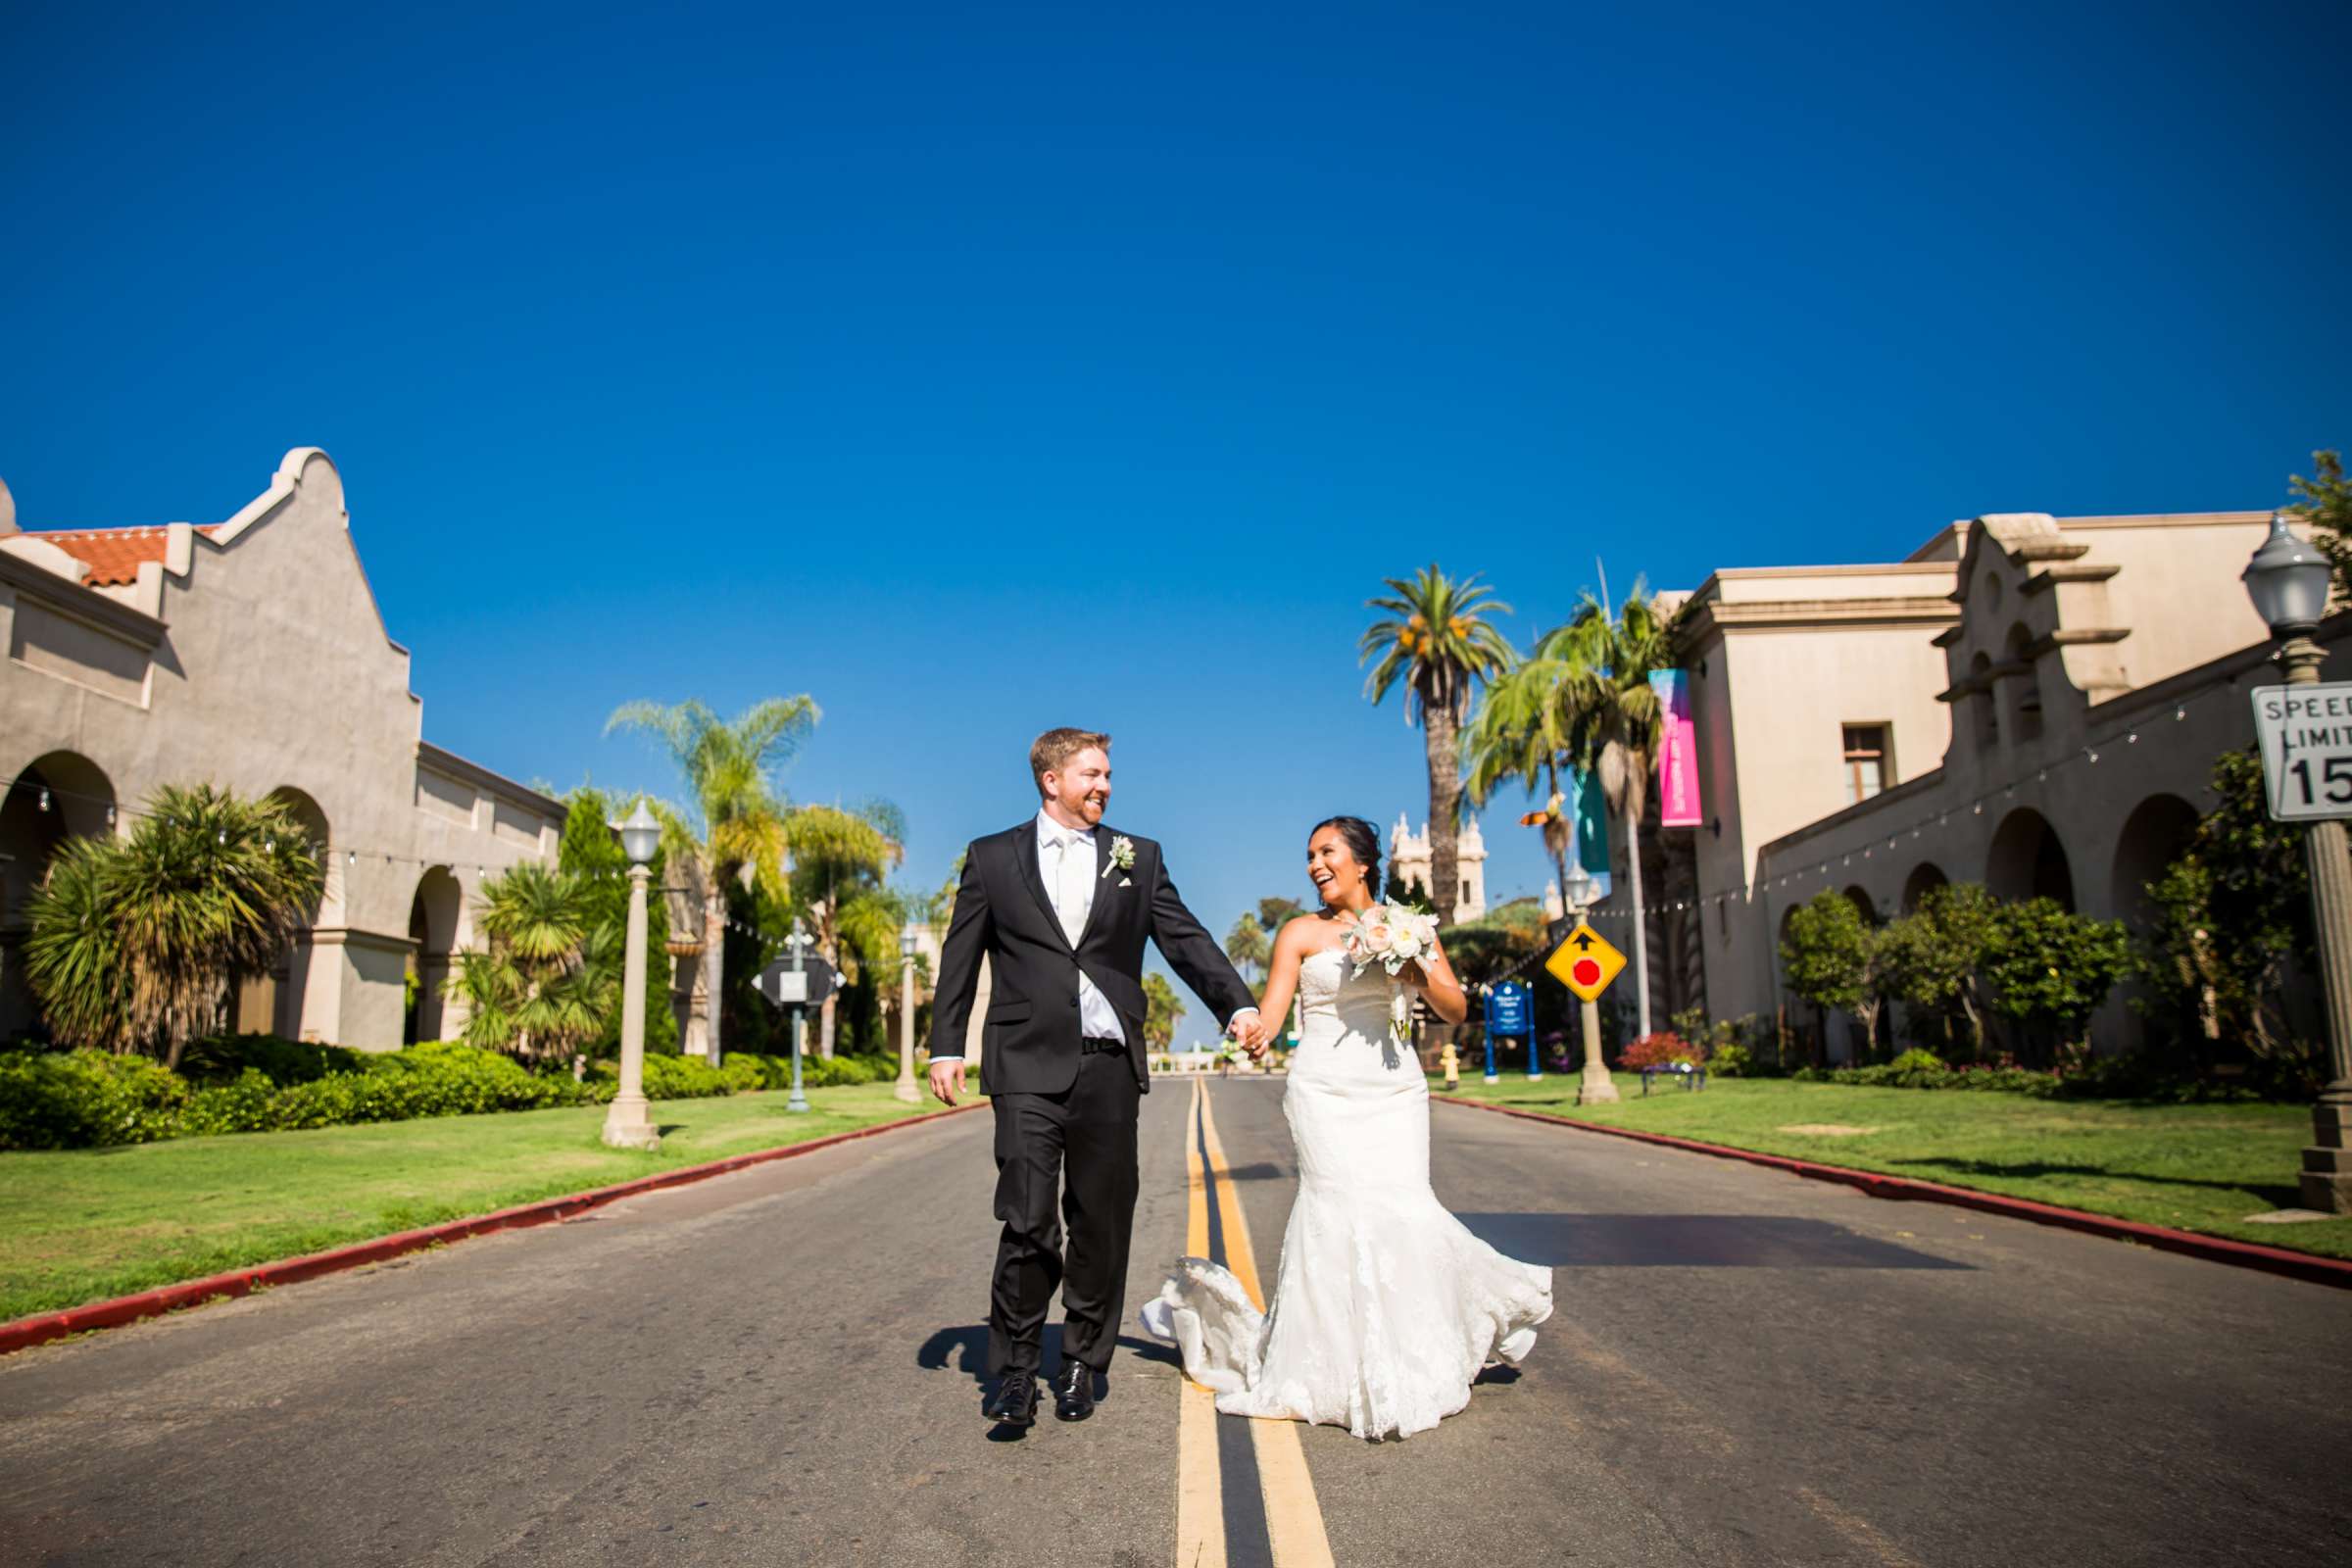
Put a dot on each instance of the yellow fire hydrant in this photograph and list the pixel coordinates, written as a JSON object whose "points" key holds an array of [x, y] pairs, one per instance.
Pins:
{"points": [[1453, 1066]]}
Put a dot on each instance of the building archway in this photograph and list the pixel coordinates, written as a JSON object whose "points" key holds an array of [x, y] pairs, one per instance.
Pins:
{"points": [[2026, 860], [1983, 704], [435, 914], [2152, 839], [1859, 896], [1925, 878], [60, 796], [271, 1003], [2025, 714]]}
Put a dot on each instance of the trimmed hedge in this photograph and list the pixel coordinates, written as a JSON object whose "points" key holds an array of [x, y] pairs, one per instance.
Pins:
{"points": [[256, 1083]]}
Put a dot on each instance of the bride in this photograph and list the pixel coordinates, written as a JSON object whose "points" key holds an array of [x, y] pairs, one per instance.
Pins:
{"points": [[1385, 1305]]}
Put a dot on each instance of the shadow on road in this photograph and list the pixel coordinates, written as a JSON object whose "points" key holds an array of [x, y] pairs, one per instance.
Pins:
{"points": [[965, 1350], [1691, 1241]]}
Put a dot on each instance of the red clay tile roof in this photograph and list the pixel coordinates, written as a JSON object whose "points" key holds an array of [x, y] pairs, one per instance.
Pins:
{"points": [[113, 555]]}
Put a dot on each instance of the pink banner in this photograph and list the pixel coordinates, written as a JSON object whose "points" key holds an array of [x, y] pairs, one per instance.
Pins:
{"points": [[1678, 750]]}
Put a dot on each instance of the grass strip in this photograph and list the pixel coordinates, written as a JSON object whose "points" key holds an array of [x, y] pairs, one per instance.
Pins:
{"points": [[2198, 1167], [89, 1224]]}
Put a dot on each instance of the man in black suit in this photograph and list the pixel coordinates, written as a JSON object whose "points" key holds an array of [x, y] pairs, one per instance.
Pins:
{"points": [[1062, 905]]}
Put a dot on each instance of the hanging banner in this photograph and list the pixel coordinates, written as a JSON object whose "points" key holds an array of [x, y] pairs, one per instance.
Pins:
{"points": [[1588, 829], [1678, 750]]}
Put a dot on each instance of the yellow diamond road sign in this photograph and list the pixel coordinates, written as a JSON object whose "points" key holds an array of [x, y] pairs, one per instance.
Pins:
{"points": [[1585, 963]]}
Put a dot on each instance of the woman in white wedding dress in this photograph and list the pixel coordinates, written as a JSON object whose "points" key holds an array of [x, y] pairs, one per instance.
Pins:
{"points": [[1384, 1306]]}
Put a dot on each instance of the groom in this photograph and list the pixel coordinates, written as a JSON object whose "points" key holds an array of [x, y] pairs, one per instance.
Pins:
{"points": [[1062, 905]]}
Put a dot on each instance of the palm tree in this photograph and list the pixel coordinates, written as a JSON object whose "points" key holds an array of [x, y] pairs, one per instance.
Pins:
{"points": [[1521, 733], [1437, 643], [1246, 945], [1613, 723], [546, 983], [136, 942], [840, 858], [732, 829]]}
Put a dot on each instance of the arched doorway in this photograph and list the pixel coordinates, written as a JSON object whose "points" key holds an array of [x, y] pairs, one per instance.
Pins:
{"points": [[60, 796], [1925, 878], [2026, 860], [434, 915], [2152, 839], [271, 1003]]}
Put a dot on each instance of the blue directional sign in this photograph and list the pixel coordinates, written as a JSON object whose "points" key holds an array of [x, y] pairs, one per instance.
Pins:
{"points": [[1511, 1010]]}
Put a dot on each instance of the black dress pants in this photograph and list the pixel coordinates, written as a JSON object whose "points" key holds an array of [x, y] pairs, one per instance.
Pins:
{"points": [[1077, 1147]]}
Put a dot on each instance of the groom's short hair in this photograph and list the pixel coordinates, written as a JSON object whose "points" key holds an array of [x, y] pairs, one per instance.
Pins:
{"points": [[1055, 747]]}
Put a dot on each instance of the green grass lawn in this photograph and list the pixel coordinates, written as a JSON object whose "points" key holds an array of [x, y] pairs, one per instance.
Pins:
{"points": [[89, 1224], [2192, 1167]]}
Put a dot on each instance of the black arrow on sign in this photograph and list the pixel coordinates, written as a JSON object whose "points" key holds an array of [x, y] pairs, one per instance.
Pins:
{"points": [[1582, 941]]}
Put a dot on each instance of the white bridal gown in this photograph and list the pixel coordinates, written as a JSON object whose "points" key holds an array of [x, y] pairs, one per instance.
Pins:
{"points": [[1385, 1305]]}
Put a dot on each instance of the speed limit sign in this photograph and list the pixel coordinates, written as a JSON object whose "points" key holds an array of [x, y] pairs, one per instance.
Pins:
{"points": [[2306, 735]]}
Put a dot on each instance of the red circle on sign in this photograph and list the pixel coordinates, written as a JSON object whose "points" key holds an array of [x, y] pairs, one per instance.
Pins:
{"points": [[1587, 971]]}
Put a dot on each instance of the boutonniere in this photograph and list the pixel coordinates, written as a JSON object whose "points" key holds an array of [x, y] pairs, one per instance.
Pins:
{"points": [[1122, 859]]}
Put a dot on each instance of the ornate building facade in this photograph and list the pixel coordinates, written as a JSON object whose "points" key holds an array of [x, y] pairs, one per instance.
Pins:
{"points": [[249, 653], [1409, 855]]}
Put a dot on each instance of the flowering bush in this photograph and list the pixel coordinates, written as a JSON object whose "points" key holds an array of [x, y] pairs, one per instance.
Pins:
{"points": [[1661, 1049]]}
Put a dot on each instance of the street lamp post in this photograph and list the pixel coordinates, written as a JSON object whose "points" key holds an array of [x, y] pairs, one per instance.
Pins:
{"points": [[1595, 1087], [2289, 582], [906, 1088], [629, 1121], [799, 942]]}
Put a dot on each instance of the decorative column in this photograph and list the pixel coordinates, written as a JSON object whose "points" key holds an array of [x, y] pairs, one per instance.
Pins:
{"points": [[629, 1121]]}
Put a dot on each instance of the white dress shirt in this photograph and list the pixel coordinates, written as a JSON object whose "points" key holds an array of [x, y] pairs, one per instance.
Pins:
{"points": [[1065, 861]]}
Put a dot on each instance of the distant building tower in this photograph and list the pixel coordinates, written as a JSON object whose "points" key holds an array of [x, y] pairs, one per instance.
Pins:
{"points": [[1408, 852]]}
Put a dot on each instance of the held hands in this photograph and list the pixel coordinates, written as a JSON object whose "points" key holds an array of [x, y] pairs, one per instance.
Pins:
{"points": [[1250, 1033]]}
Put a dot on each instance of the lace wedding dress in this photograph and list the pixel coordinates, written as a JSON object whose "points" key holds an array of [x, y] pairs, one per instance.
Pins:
{"points": [[1385, 1305]]}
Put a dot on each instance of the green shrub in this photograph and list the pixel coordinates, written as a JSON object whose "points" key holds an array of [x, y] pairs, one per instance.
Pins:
{"points": [[222, 1059], [1916, 1060], [87, 1099]]}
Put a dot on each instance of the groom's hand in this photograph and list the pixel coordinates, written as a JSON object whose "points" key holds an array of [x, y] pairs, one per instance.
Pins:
{"points": [[947, 1081], [1250, 1033]]}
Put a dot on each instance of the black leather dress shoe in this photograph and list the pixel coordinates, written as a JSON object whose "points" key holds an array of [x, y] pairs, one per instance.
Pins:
{"points": [[1073, 1392], [1015, 1401]]}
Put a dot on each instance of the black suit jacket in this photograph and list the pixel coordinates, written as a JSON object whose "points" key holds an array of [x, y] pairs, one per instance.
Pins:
{"points": [[1029, 1041]]}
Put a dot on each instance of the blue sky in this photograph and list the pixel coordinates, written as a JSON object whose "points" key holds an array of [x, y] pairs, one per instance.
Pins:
{"points": [[980, 370]]}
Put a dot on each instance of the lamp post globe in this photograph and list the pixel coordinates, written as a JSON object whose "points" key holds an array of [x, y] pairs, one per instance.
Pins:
{"points": [[1579, 889], [909, 940], [2288, 580], [640, 834]]}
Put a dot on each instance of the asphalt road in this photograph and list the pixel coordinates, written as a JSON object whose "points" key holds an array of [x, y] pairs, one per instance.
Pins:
{"points": [[781, 1366]]}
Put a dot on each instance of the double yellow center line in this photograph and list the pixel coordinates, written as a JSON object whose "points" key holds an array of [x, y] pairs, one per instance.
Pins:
{"points": [[1237, 1505]]}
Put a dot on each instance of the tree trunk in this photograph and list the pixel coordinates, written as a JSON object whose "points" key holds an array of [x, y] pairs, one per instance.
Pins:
{"points": [[1444, 804], [1555, 835], [826, 1024], [715, 949]]}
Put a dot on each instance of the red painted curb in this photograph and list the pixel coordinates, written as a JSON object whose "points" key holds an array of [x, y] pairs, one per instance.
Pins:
{"points": [[30, 1331], [2213, 1248]]}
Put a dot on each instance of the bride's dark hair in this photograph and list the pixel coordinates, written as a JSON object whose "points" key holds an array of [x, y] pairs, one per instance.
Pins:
{"points": [[1362, 841]]}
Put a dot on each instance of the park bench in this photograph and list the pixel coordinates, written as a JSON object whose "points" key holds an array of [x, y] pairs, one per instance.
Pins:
{"points": [[1693, 1077]]}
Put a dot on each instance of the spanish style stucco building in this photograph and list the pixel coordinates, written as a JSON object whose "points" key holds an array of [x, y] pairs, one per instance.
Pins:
{"points": [[250, 654], [2029, 702]]}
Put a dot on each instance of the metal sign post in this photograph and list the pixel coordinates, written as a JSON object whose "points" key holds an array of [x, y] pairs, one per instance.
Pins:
{"points": [[797, 983]]}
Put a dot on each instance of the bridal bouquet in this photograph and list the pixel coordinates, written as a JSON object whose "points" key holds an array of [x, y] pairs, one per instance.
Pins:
{"points": [[1392, 936]]}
